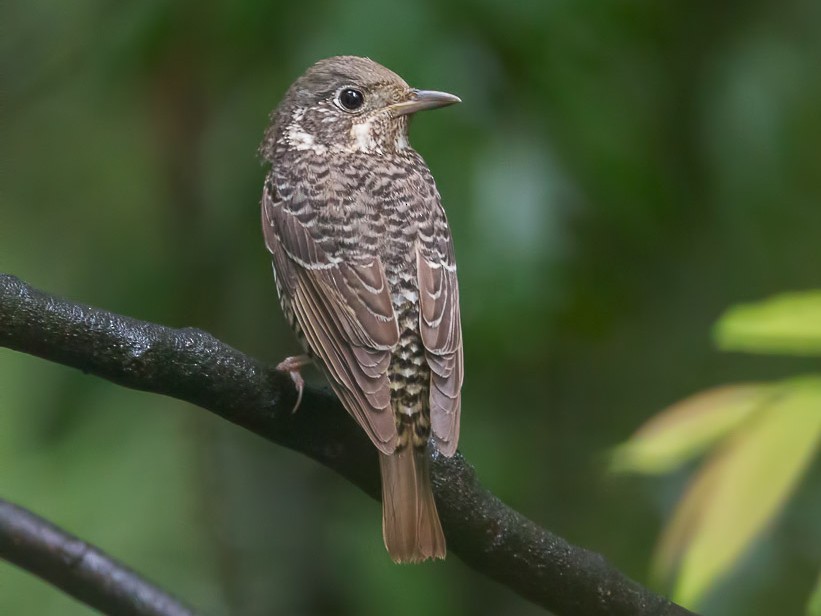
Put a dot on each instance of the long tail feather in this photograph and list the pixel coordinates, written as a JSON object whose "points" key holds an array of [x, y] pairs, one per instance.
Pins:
{"points": [[410, 523]]}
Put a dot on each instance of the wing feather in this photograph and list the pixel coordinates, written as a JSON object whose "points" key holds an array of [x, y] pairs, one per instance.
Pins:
{"points": [[441, 332], [344, 310]]}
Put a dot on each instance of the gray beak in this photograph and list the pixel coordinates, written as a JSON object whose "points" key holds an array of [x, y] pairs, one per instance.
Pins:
{"points": [[423, 99]]}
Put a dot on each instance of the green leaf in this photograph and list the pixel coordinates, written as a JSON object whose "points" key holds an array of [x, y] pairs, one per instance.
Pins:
{"points": [[814, 605], [786, 324], [740, 489], [685, 429]]}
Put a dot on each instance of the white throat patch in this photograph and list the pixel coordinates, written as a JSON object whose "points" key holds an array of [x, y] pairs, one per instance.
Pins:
{"points": [[363, 140]]}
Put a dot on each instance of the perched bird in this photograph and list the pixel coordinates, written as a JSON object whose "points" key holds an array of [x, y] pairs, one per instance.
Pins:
{"points": [[364, 267]]}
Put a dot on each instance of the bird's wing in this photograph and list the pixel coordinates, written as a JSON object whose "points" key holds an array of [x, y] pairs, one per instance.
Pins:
{"points": [[343, 308], [441, 330]]}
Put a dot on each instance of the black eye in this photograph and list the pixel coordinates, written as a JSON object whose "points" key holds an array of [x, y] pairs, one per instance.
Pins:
{"points": [[351, 99]]}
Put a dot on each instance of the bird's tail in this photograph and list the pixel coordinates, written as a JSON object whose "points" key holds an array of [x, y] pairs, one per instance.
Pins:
{"points": [[410, 523]]}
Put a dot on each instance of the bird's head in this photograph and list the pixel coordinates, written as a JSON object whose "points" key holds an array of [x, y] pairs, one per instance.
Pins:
{"points": [[348, 104]]}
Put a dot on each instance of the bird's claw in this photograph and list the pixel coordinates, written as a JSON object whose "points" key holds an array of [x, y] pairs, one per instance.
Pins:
{"points": [[293, 365]]}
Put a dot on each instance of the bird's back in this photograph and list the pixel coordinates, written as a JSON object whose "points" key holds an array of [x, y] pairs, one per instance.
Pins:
{"points": [[359, 207]]}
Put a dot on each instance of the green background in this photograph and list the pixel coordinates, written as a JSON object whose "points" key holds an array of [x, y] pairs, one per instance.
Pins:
{"points": [[618, 174]]}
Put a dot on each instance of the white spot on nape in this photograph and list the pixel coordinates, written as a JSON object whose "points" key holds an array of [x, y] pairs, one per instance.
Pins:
{"points": [[301, 140]]}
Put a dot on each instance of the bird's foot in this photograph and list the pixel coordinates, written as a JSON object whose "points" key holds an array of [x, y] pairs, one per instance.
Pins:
{"points": [[293, 365]]}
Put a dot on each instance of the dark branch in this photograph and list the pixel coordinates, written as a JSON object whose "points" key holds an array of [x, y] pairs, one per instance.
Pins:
{"points": [[194, 366], [79, 569]]}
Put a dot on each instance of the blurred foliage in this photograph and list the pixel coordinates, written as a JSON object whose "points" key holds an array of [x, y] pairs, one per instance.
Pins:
{"points": [[764, 437], [814, 606], [618, 174], [677, 434], [739, 490], [788, 324]]}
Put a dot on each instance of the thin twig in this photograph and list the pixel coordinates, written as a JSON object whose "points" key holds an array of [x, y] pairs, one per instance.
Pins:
{"points": [[194, 366], [79, 569]]}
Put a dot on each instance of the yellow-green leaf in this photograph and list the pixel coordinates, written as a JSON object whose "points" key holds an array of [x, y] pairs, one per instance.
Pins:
{"points": [[685, 429], [814, 605], [785, 324], [741, 488]]}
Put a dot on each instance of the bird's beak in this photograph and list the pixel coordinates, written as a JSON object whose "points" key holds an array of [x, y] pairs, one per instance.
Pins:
{"points": [[419, 100]]}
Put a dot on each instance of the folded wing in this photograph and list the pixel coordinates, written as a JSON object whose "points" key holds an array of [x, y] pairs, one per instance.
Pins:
{"points": [[344, 310]]}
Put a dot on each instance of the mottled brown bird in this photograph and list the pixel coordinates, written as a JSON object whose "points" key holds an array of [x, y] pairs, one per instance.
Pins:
{"points": [[364, 266]]}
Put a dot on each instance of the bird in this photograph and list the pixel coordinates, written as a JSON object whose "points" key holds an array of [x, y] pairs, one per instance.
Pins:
{"points": [[365, 271]]}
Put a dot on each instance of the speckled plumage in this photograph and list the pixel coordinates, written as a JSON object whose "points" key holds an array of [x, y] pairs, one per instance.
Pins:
{"points": [[365, 270]]}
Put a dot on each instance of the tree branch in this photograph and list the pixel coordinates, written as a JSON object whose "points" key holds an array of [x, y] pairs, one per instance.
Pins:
{"points": [[78, 568], [196, 367]]}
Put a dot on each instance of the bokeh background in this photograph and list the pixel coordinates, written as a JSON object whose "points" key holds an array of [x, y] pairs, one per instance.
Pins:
{"points": [[618, 174]]}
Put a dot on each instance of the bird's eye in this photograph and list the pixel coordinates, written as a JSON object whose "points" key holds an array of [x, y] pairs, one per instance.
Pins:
{"points": [[351, 98]]}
